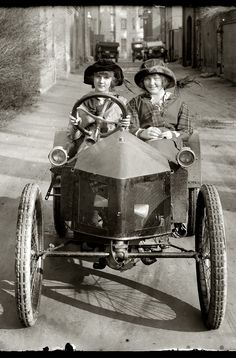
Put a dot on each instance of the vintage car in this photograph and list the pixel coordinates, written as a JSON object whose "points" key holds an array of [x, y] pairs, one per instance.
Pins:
{"points": [[137, 51], [155, 49], [107, 49], [122, 204]]}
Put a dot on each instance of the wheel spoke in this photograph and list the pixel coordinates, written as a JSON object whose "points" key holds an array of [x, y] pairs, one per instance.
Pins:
{"points": [[35, 269], [205, 259]]}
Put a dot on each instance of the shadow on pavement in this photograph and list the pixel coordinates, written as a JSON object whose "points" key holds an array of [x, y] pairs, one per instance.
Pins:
{"points": [[68, 281], [117, 297]]}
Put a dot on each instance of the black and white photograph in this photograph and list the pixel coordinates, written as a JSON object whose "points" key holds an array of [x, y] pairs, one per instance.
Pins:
{"points": [[117, 182]]}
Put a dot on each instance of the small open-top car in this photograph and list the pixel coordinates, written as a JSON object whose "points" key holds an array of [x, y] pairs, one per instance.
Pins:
{"points": [[155, 49], [118, 199], [107, 49], [137, 50]]}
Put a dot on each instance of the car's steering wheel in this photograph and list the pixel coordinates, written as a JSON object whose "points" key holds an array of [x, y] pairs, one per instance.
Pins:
{"points": [[99, 119]]}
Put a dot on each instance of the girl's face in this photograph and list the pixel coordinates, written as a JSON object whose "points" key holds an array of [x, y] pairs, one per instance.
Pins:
{"points": [[153, 83], [102, 81]]}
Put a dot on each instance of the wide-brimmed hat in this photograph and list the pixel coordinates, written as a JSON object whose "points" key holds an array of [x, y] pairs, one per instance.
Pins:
{"points": [[152, 67], [103, 65]]}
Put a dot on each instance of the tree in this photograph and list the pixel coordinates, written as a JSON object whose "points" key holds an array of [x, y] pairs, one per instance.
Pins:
{"points": [[20, 56]]}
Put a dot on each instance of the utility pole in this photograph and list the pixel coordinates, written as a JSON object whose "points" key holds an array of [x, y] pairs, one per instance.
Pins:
{"points": [[84, 18], [99, 25], [114, 19], [147, 24]]}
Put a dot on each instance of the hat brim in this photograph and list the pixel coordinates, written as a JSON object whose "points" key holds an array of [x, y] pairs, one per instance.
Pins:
{"points": [[138, 78]]}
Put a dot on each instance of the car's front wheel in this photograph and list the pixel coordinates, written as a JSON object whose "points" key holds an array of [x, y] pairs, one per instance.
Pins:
{"points": [[211, 267], [28, 261]]}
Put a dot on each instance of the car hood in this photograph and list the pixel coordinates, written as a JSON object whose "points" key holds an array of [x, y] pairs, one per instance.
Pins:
{"points": [[121, 156]]}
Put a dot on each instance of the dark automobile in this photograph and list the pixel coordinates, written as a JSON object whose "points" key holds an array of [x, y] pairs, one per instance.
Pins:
{"points": [[137, 51], [118, 207], [155, 49], [107, 49]]}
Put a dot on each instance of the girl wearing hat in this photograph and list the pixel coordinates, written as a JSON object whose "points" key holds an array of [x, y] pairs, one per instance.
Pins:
{"points": [[104, 75], [157, 113], [159, 116]]}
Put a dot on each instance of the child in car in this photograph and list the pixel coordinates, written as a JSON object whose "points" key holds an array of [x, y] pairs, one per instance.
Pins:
{"points": [[103, 76], [158, 114]]}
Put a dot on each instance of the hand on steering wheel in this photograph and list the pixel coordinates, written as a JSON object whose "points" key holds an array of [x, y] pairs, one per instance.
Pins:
{"points": [[75, 120], [99, 119]]}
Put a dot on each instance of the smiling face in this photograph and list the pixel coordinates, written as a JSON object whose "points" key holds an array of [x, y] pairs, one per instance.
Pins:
{"points": [[153, 83], [103, 81]]}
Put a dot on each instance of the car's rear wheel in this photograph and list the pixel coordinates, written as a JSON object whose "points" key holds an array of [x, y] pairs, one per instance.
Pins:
{"points": [[59, 222], [211, 265], [192, 203], [28, 262]]}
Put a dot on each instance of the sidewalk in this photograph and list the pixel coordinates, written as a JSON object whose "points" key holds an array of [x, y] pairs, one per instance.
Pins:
{"points": [[26, 140]]}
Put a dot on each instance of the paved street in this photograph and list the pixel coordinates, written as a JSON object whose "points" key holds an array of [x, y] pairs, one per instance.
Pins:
{"points": [[149, 307]]}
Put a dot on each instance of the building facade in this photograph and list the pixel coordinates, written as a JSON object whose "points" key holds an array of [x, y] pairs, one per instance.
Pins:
{"points": [[174, 32], [227, 34], [208, 39], [120, 24], [64, 42]]}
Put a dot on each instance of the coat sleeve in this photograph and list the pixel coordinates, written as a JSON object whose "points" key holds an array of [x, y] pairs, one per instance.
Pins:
{"points": [[132, 110], [184, 119]]}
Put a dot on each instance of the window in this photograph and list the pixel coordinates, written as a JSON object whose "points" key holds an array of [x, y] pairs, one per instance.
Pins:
{"points": [[133, 23], [141, 22], [123, 45], [123, 24]]}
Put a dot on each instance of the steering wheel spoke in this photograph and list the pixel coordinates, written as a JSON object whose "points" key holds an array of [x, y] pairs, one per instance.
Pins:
{"points": [[105, 110], [105, 105]]}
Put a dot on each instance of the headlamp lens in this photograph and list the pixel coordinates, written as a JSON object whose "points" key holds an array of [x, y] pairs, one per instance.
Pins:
{"points": [[186, 157], [58, 156]]}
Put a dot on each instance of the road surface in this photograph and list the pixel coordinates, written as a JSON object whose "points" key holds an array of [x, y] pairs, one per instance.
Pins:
{"points": [[147, 308]]}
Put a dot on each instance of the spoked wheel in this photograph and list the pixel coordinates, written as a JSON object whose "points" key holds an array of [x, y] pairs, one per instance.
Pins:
{"points": [[59, 222], [192, 204], [28, 264], [211, 267]]}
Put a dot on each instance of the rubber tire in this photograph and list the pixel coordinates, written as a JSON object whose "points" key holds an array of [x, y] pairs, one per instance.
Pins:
{"points": [[212, 271], [192, 204], [59, 222], [29, 271]]}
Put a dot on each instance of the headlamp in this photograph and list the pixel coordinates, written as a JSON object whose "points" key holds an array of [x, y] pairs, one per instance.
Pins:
{"points": [[58, 156], [186, 157]]}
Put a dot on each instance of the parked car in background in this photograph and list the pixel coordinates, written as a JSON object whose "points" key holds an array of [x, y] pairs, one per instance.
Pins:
{"points": [[137, 50], [107, 49], [155, 49]]}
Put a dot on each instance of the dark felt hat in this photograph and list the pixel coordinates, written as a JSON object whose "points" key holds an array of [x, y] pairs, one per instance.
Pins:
{"points": [[103, 65], [152, 67]]}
